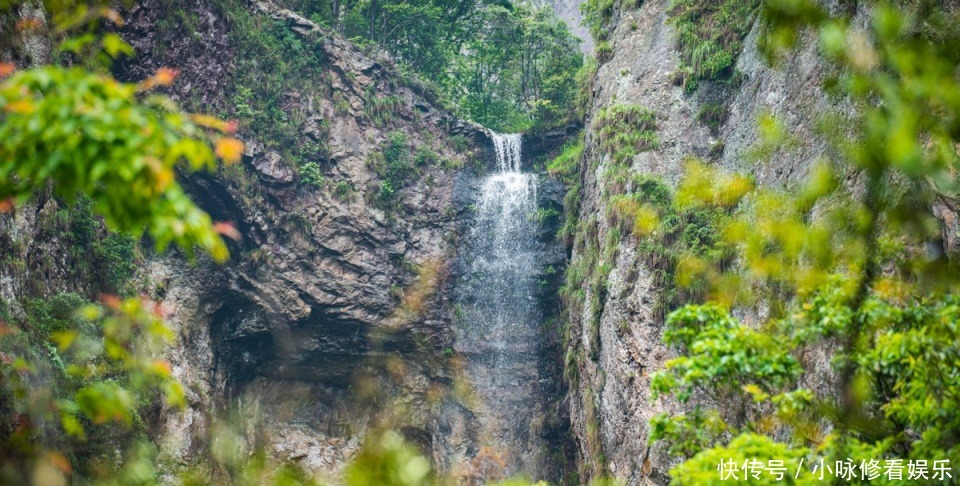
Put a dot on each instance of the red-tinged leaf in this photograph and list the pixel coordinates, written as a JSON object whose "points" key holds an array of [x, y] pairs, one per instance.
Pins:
{"points": [[6, 205], [230, 126], [111, 301], [152, 306], [164, 175], [156, 308], [227, 229], [112, 15], [166, 309], [60, 462], [22, 422], [208, 121], [29, 24], [160, 310], [162, 368], [166, 76], [163, 77], [230, 150]]}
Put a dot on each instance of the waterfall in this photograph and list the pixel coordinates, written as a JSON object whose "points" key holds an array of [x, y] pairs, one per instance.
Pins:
{"points": [[500, 328], [508, 147], [504, 254]]}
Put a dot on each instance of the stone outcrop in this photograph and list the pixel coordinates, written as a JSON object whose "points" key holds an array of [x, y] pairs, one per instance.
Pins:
{"points": [[44, 249], [337, 313]]}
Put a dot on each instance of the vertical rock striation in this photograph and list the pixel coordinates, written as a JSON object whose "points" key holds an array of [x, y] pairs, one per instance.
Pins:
{"points": [[335, 304]]}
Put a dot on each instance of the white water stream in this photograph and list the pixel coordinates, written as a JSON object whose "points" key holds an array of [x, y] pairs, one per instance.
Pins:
{"points": [[501, 334]]}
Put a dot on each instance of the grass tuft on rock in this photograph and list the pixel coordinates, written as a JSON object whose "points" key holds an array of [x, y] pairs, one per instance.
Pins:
{"points": [[710, 37]]}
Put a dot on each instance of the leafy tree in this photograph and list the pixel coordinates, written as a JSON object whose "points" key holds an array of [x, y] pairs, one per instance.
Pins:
{"points": [[503, 64], [77, 378], [520, 74], [88, 134], [852, 263]]}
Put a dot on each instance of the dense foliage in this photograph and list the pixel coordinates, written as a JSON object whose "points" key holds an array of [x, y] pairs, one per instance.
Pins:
{"points": [[504, 64], [78, 379], [68, 126], [271, 62], [852, 264]]}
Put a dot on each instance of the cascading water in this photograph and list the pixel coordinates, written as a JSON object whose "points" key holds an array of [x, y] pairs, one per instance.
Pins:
{"points": [[504, 254], [508, 149], [500, 332]]}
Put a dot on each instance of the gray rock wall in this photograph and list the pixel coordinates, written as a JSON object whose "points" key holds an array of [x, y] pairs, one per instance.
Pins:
{"points": [[335, 313], [612, 399]]}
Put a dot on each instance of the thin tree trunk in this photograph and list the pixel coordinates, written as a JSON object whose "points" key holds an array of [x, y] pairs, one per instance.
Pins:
{"points": [[373, 20], [336, 16]]}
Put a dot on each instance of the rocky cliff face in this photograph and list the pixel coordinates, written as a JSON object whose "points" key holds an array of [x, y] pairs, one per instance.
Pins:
{"points": [[611, 405], [335, 313], [331, 299]]}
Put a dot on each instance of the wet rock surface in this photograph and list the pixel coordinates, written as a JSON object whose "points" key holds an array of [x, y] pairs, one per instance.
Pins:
{"points": [[506, 332]]}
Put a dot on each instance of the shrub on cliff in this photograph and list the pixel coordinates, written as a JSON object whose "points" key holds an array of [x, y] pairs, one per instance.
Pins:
{"points": [[710, 36], [77, 377], [506, 65]]}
